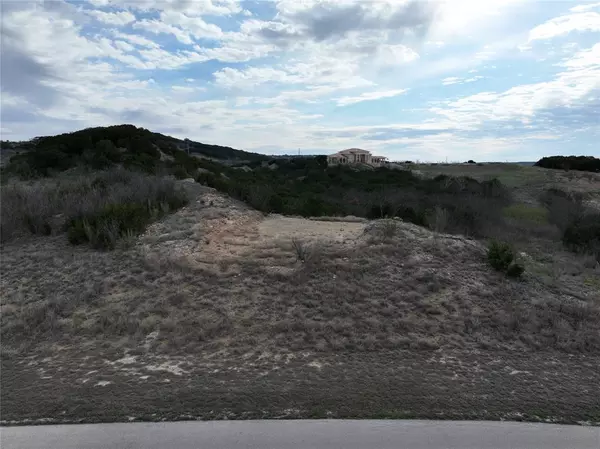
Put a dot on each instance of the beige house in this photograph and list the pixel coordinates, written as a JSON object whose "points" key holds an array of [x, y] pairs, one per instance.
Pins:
{"points": [[356, 156]]}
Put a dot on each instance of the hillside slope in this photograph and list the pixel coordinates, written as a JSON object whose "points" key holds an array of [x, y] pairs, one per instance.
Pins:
{"points": [[218, 311]]}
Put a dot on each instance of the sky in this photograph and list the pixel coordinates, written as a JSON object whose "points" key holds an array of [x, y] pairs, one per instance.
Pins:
{"points": [[489, 80]]}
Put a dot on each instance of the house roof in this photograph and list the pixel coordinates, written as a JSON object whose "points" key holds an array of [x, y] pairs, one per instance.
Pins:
{"points": [[351, 151], [354, 150]]}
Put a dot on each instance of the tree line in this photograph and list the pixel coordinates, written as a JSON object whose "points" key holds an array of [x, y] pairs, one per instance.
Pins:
{"points": [[580, 163]]}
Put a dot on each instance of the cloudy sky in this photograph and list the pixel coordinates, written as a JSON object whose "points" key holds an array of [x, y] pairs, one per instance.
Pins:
{"points": [[422, 80]]}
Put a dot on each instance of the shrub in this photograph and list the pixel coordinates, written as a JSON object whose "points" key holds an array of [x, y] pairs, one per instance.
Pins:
{"points": [[579, 225], [564, 208], [104, 228], [276, 204], [501, 257], [180, 173], [412, 215], [96, 209], [26, 208], [214, 181], [583, 235], [303, 250], [515, 270], [389, 229], [77, 233], [312, 207], [438, 219], [305, 187]]}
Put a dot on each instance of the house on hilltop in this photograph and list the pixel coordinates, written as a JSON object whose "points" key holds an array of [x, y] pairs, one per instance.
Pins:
{"points": [[356, 156]]}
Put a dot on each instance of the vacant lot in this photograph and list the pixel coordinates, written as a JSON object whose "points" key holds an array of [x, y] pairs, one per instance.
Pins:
{"points": [[218, 311]]}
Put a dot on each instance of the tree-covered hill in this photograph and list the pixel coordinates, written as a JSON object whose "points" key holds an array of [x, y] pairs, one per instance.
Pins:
{"points": [[103, 147]]}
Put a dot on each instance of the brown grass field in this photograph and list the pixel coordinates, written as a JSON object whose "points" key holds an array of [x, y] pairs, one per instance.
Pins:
{"points": [[218, 311]]}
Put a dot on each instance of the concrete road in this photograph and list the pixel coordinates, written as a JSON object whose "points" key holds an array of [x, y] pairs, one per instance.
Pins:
{"points": [[322, 434]]}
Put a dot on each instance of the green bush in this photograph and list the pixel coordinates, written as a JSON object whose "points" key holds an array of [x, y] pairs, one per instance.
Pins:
{"points": [[76, 232], [583, 235], [502, 258], [303, 186], [312, 207], [500, 255], [580, 226], [37, 224], [276, 204], [98, 209], [180, 173], [103, 229], [214, 181], [515, 270]]}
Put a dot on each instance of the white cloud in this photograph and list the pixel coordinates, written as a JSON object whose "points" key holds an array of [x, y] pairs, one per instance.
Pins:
{"points": [[589, 58], [124, 46], [560, 26], [158, 27], [437, 44], [450, 80], [229, 77], [190, 7], [158, 58], [391, 55], [456, 80], [571, 88], [369, 96], [320, 70], [586, 7], [459, 19], [112, 18], [183, 89], [194, 26], [234, 51], [311, 94], [137, 40]]}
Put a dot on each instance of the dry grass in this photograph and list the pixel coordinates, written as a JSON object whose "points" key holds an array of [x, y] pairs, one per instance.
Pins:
{"points": [[47, 206], [305, 251], [395, 287], [346, 219], [217, 281], [383, 230]]}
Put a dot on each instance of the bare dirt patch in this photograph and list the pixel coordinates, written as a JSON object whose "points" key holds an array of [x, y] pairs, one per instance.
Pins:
{"points": [[280, 227]]}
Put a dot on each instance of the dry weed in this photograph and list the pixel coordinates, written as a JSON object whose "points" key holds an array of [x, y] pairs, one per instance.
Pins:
{"points": [[305, 251]]}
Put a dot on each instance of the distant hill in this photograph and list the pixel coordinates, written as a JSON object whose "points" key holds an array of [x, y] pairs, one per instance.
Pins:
{"points": [[221, 152], [103, 147]]}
